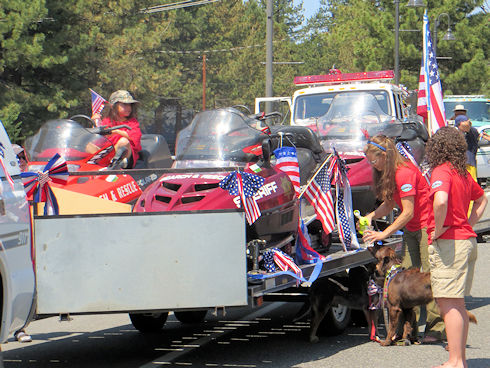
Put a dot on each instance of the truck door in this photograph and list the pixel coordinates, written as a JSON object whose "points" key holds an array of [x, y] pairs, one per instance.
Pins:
{"points": [[17, 283], [280, 104]]}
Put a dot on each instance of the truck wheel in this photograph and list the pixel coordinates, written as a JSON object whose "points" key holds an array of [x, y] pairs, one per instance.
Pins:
{"points": [[148, 322], [191, 317], [336, 320]]}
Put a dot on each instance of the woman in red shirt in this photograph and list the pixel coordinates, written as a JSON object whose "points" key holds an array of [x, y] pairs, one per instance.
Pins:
{"points": [[398, 182], [123, 110], [452, 241]]}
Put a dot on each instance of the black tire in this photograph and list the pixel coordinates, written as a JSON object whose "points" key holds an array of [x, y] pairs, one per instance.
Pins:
{"points": [[191, 317], [148, 322], [336, 321]]}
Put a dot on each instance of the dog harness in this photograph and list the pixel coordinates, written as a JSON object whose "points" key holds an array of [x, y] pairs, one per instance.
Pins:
{"points": [[393, 271], [374, 289]]}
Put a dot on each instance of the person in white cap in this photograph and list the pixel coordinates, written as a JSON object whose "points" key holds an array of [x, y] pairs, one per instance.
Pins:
{"points": [[21, 157], [123, 110], [458, 110]]}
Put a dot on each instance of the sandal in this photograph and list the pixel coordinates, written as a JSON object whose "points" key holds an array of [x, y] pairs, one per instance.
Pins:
{"points": [[21, 336]]}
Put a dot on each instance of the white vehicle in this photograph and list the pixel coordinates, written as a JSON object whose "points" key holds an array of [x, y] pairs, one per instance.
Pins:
{"points": [[483, 156], [17, 283], [312, 102], [343, 109]]}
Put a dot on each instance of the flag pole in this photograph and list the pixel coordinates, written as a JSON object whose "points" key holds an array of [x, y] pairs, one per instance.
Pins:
{"points": [[314, 175]]}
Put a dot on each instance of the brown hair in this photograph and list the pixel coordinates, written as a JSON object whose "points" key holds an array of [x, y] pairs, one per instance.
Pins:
{"points": [[447, 145], [111, 112], [384, 181]]}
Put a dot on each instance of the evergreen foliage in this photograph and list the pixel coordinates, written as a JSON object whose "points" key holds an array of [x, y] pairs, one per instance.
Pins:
{"points": [[52, 52]]}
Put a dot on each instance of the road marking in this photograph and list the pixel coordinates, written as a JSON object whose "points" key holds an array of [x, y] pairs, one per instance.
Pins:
{"points": [[214, 334]]}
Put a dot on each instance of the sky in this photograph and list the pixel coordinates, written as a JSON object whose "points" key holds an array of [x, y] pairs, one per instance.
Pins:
{"points": [[311, 6]]}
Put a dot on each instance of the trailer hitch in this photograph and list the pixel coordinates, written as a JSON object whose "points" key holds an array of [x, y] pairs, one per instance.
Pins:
{"points": [[253, 252]]}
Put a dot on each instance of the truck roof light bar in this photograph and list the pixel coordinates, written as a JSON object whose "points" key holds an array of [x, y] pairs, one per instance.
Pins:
{"points": [[339, 78]]}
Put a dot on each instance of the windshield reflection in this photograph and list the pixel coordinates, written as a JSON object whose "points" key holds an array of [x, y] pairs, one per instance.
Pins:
{"points": [[66, 137], [218, 138]]}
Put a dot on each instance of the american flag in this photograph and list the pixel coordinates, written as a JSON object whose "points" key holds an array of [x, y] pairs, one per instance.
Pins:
{"points": [[287, 161], [345, 214], [244, 185], [97, 102], [429, 99], [319, 195], [285, 262], [406, 151], [304, 252]]}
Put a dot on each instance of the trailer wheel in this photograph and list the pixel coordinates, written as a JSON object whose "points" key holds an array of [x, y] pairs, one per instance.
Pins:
{"points": [[336, 320], [148, 322], [191, 317]]}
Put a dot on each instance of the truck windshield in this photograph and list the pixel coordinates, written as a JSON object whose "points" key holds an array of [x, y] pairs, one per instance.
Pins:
{"points": [[476, 110], [218, 138], [309, 107], [67, 137]]}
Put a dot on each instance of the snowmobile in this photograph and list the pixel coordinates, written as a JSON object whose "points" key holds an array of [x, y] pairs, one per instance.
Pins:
{"points": [[85, 149], [220, 141]]}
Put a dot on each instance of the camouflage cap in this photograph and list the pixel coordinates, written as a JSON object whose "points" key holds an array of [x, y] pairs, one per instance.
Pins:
{"points": [[122, 96]]}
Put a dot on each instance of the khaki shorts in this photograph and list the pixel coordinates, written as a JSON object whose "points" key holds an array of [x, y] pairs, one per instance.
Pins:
{"points": [[452, 265]]}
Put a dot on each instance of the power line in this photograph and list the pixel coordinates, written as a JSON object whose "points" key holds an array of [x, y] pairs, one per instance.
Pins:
{"points": [[178, 5], [236, 48]]}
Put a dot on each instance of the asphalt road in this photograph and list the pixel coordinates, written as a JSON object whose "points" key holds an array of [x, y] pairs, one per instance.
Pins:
{"points": [[244, 337]]}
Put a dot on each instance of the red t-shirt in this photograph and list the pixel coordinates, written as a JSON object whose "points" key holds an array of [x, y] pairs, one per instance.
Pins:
{"points": [[410, 182], [134, 134], [461, 191]]}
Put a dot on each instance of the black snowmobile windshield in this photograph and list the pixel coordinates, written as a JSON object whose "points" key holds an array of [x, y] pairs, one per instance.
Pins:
{"points": [[351, 117], [67, 137], [218, 138]]}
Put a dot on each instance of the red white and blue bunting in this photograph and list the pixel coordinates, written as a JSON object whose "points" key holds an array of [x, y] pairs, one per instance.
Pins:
{"points": [[37, 183]]}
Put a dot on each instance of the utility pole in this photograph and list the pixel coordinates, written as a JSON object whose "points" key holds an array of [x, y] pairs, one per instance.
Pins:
{"points": [[397, 41], [203, 82], [268, 55]]}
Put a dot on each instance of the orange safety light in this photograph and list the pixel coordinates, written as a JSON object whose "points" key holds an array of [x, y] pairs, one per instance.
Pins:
{"points": [[338, 78]]}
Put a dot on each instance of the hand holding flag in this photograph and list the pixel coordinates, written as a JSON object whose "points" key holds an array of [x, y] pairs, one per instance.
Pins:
{"points": [[98, 103]]}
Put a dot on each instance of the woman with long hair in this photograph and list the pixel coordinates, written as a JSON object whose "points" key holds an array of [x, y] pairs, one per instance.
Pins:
{"points": [[123, 110], [452, 241], [398, 182]]}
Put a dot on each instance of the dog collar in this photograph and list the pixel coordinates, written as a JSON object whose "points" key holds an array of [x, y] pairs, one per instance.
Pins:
{"points": [[392, 272]]}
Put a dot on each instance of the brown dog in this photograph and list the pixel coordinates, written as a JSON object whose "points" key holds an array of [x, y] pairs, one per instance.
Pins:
{"points": [[406, 290], [350, 291]]}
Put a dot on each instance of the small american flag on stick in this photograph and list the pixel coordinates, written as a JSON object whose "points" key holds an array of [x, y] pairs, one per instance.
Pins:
{"points": [[98, 102]]}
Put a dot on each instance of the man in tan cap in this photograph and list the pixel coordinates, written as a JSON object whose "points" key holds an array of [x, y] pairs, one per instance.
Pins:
{"points": [[458, 110]]}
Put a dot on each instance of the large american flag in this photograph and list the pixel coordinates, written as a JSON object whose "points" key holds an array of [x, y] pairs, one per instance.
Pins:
{"points": [[429, 101], [319, 195], [287, 161], [98, 102], [244, 185]]}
